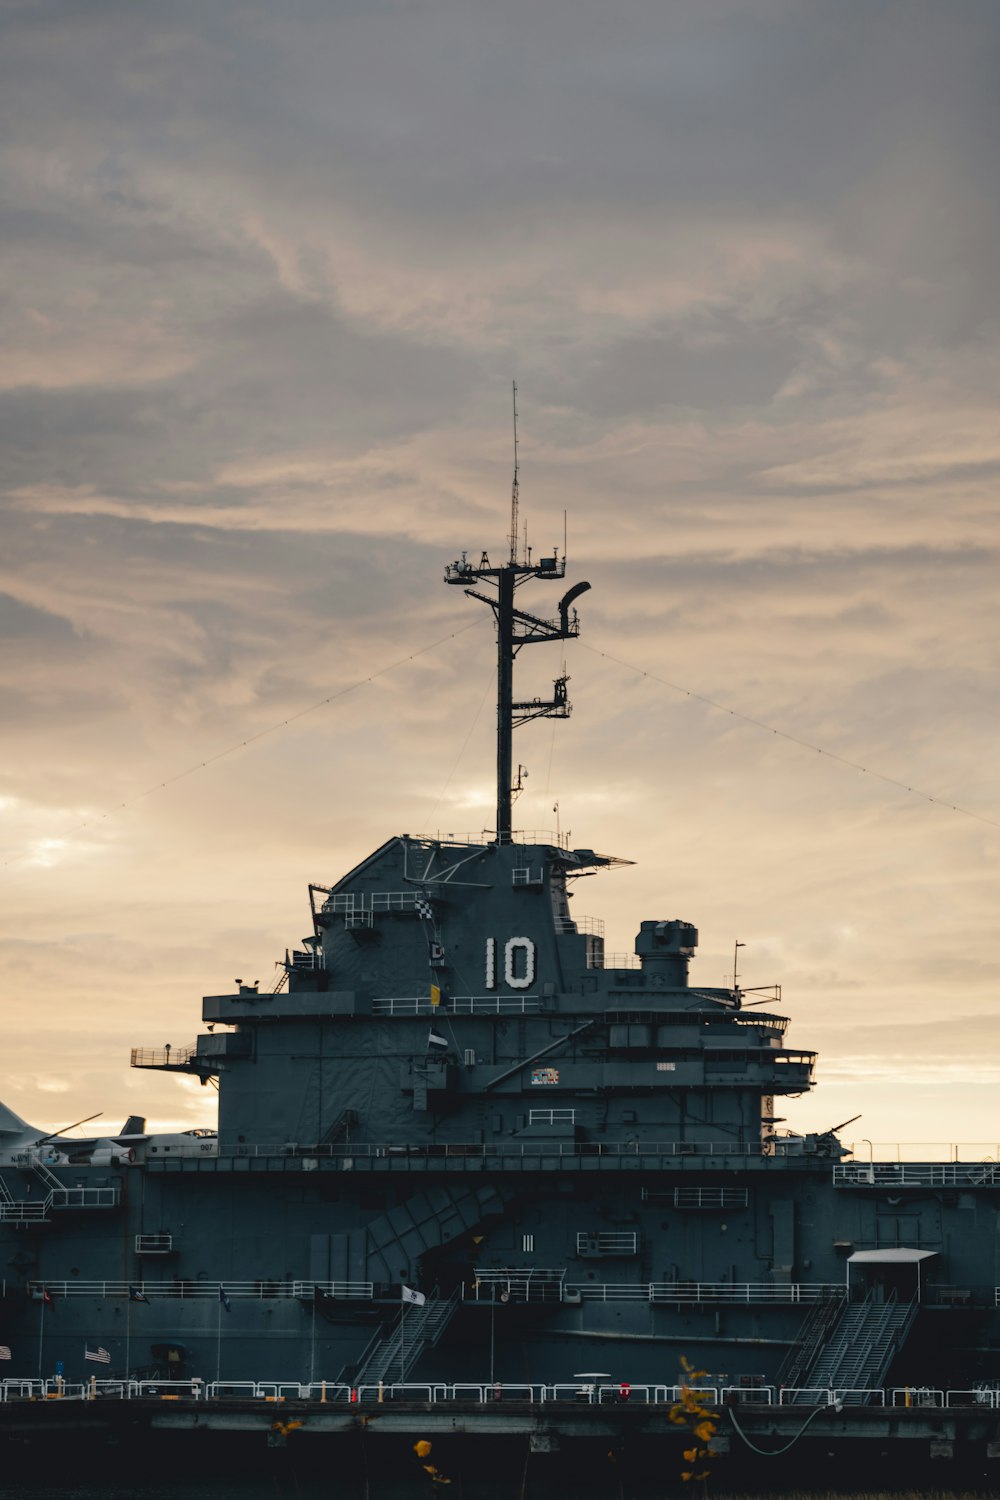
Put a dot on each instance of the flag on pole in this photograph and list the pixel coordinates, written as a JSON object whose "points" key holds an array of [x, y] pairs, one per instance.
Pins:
{"points": [[423, 909], [435, 996], [100, 1355], [135, 1295], [4, 1351], [435, 1039], [46, 1296], [224, 1299], [409, 1295]]}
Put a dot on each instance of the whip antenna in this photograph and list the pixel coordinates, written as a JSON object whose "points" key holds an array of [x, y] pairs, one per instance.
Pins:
{"points": [[514, 495]]}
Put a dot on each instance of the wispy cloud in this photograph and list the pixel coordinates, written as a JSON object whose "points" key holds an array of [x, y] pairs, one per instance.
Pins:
{"points": [[266, 282]]}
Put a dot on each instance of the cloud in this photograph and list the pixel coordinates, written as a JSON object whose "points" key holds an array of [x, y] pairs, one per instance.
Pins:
{"points": [[265, 282]]}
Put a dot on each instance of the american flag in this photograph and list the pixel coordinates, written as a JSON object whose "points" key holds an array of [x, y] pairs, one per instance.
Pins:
{"points": [[100, 1354], [4, 1352]]}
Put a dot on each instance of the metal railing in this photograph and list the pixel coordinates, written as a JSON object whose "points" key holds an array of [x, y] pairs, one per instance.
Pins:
{"points": [[488, 836], [824, 1395], [780, 1149], [917, 1174], [154, 1244], [588, 926], [983, 1152], [483, 1393], [693, 1292], [180, 1289], [610, 1242], [458, 1005], [614, 1150], [37, 1210], [509, 1284], [355, 901], [162, 1057], [340, 1392], [531, 1284], [711, 1197]]}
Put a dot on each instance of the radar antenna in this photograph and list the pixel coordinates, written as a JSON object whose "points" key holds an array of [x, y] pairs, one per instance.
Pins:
{"points": [[516, 628]]}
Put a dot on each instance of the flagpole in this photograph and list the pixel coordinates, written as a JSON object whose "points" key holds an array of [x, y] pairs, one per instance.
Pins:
{"points": [[493, 1320], [218, 1343], [128, 1330], [41, 1334], [312, 1341]]}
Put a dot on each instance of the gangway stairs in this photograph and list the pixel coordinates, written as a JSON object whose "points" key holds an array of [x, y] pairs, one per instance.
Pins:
{"points": [[861, 1346], [414, 1330], [813, 1334]]}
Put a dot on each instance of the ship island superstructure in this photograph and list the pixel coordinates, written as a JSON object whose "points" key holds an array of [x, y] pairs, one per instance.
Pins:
{"points": [[461, 1142]]}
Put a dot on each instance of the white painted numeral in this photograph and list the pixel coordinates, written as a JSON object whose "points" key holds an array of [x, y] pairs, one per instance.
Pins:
{"points": [[527, 947], [511, 963]]}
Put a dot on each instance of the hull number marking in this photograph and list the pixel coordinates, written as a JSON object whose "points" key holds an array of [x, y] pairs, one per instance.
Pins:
{"points": [[518, 963]]}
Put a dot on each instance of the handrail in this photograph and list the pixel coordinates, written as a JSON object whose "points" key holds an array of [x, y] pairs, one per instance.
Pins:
{"points": [[829, 1395], [983, 1153], [765, 1151], [163, 1057], [177, 1287], [577, 1391], [533, 1284], [458, 1005], [916, 1174], [856, 1173], [37, 1210]]}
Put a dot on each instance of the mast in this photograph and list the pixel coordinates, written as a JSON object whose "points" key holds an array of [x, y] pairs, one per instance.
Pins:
{"points": [[504, 608], [516, 628]]}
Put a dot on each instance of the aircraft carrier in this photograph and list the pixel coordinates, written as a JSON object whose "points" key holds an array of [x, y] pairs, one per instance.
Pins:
{"points": [[475, 1174]]}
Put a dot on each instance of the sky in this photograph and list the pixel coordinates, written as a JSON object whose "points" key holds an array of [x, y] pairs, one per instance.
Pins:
{"points": [[267, 273]]}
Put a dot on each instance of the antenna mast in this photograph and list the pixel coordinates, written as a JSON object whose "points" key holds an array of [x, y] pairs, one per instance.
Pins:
{"points": [[515, 629], [515, 488]]}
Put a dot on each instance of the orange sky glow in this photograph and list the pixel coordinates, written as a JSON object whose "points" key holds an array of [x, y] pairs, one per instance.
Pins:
{"points": [[268, 279]]}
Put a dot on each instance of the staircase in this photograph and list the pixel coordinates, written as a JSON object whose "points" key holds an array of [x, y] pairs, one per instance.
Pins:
{"points": [[859, 1349], [414, 1330], [819, 1322]]}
